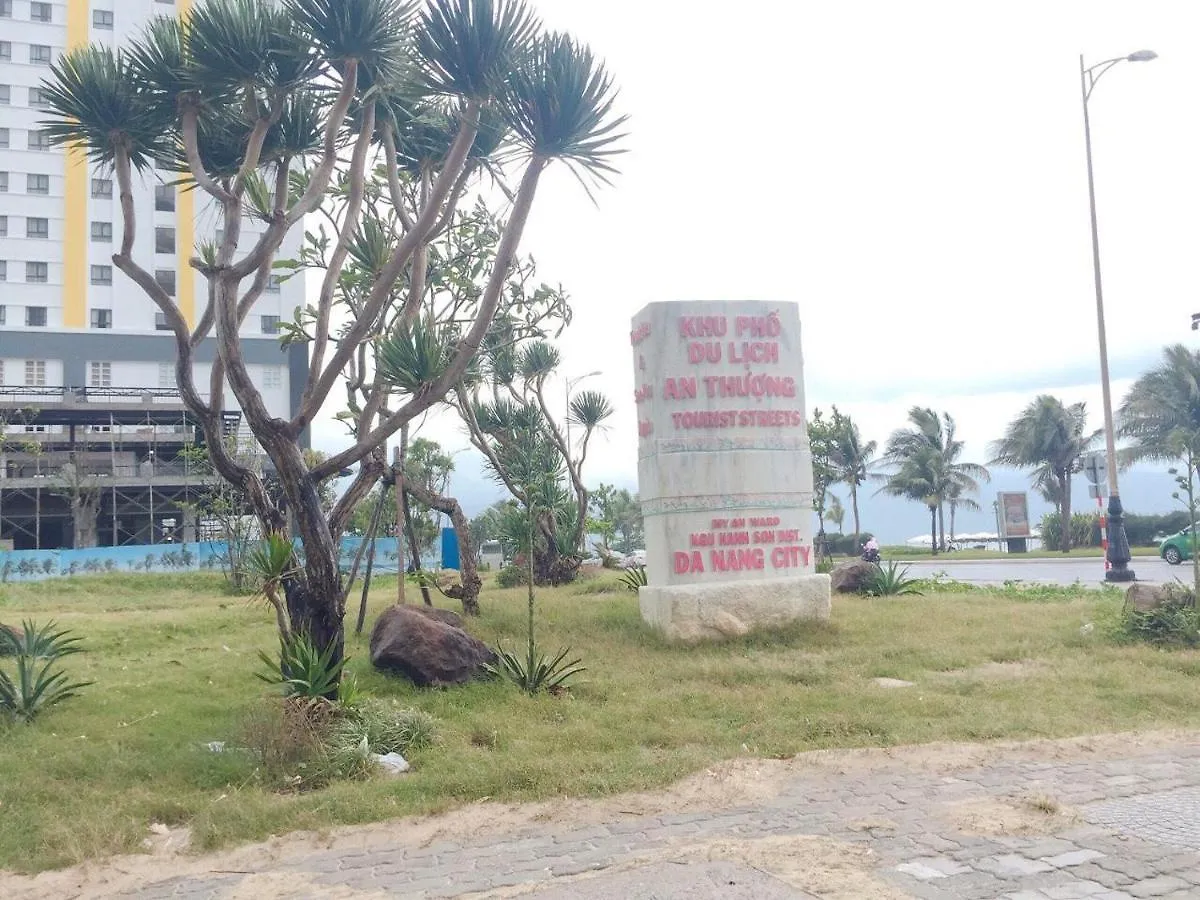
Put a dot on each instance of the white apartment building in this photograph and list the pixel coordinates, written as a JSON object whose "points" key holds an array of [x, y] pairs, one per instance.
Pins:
{"points": [[68, 318]]}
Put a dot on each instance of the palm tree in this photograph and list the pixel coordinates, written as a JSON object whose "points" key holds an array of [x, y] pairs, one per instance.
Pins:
{"points": [[1161, 417], [955, 499], [836, 512], [931, 445], [851, 459], [1051, 439], [917, 478]]}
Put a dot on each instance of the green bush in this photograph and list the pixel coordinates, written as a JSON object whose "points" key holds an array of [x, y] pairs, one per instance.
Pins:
{"points": [[387, 728], [512, 576], [634, 577], [302, 669], [1173, 623], [37, 683], [844, 544], [890, 581], [1085, 530]]}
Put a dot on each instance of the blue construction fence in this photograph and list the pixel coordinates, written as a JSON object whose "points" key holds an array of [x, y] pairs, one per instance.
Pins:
{"points": [[35, 565]]}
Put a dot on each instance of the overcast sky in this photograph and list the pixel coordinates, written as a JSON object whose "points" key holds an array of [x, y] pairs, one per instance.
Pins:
{"points": [[912, 174]]}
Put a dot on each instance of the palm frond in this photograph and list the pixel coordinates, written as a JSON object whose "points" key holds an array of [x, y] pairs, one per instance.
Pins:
{"points": [[413, 357], [376, 33], [589, 409], [469, 47]]}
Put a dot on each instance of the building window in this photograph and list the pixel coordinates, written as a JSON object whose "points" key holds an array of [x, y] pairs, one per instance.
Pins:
{"points": [[4, 135], [270, 324], [102, 188], [40, 54], [37, 228], [35, 372], [164, 240], [5, 94], [3, 277], [6, 50], [3, 226], [101, 274], [3, 182], [271, 378], [35, 316], [39, 12], [160, 322], [102, 18], [166, 375], [1, 364], [5, 9], [37, 184], [273, 283], [37, 273], [102, 318], [102, 231], [164, 197], [100, 374], [37, 98], [166, 280], [39, 140]]}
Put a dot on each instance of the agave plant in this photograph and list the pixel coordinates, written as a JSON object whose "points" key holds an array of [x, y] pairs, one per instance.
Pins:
{"points": [[634, 577], [890, 581], [535, 672], [302, 669], [38, 683]]}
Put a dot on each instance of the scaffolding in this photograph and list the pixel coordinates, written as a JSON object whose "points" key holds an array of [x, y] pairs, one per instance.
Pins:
{"points": [[127, 461]]}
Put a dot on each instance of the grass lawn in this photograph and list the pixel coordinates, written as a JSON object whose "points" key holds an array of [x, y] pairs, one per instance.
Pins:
{"points": [[921, 554], [173, 661]]}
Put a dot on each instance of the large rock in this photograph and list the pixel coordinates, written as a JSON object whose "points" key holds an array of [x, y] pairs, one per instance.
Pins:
{"points": [[852, 577], [423, 644], [1147, 597]]}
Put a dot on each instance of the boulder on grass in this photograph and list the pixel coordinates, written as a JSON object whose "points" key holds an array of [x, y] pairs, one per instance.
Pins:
{"points": [[423, 644], [1147, 597], [852, 577]]}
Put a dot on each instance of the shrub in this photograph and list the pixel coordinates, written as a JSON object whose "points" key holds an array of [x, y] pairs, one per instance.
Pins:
{"points": [[534, 672], [38, 683], [302, 669], [287, 738], [511, 576], [386, 728], [1173, 623], [890, 581], [634, 577]]}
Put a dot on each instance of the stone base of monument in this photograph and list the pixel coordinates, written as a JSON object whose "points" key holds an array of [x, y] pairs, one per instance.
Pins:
{"points": [[697, 612]]}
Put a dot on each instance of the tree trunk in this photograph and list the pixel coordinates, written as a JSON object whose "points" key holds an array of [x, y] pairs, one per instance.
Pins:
{"points": [[468, 573], [941, 511], [1065, 512], [854, 507], [953, 510], [933, 530], [413, 546]]}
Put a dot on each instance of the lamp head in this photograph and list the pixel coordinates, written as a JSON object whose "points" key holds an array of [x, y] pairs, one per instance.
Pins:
{"points": [[1142, 56]]}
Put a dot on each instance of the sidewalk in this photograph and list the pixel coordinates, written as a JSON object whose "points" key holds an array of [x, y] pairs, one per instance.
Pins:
{"points": [[1108, 817]]}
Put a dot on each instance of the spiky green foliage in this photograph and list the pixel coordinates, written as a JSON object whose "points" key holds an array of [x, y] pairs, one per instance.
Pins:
{"points": [[559, 104], [37, 683], [270, 561], [413, 357], [469, 47], [590, 409], [303, 669], [634, 577], [373, 32], [1161, 413], [97, 102], [891, 580], [535, 672]]}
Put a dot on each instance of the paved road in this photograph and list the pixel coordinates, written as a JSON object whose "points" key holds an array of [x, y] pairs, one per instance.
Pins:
{"points": [[1111, 818], [1045, 571]]}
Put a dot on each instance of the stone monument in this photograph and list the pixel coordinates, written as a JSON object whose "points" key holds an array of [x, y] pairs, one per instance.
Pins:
{"points": [[724, 470]]}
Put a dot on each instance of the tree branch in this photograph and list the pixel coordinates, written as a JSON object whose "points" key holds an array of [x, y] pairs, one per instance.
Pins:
{"points": [[384, 283], [357, 177], [191, 151]]}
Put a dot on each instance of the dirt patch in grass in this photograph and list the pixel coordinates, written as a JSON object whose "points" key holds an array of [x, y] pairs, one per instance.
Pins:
{"points": [[1009, 816], [998, 671]]}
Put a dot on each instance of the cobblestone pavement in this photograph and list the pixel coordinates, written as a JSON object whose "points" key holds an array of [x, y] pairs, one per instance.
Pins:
{"points": [[1019, 827]]}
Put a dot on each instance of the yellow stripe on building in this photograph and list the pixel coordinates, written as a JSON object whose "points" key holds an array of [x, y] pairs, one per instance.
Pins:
{"points": [[185, 232], [74, 298]]}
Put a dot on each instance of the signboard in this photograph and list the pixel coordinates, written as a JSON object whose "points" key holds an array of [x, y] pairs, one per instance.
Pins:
{"points": [[1095, 468], [724, 470], [1014, 515]]}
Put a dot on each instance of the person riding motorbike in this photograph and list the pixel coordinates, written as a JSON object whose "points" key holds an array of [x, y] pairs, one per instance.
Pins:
{"points": [[871, 550]]}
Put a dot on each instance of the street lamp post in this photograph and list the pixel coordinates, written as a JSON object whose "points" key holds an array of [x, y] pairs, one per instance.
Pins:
{"points": [[1118, 544]]}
